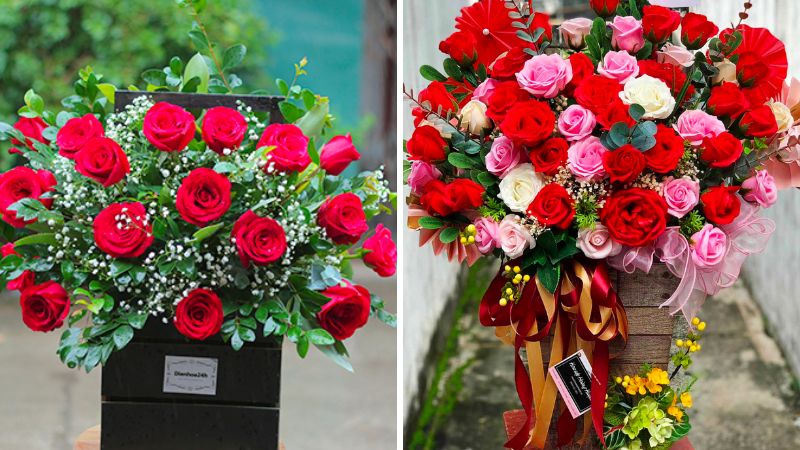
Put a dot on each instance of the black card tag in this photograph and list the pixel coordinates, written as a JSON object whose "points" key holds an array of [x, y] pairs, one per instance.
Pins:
{"points": [[573, 378]]}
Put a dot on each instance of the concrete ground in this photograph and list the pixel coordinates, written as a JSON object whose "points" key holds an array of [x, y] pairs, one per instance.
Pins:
{"points": [[745, 398], [44, 405]]}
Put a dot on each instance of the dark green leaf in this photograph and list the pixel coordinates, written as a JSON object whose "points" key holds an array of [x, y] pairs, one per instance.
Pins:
{"points": [[452, 69], [122, 336], [431, 74], [448, 235], [549, 275], [636, 112], [430, 223], [233, 56], [320, 337], [155, 77], [461, 161]]}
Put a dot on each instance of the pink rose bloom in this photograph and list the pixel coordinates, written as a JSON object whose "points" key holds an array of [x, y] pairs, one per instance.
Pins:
{"points": [[421, 174], [695, 125], [620, 66], [486, 235], [503, 157], [761, 189], [627, 34], [485, 90], [710, 245], [574, 31], [597, 243], [514, 239], [545, 75], [585, 159], [675, 55], [682, 195], [576, 123]]}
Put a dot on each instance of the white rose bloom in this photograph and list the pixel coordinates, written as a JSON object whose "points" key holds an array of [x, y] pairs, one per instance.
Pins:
{"points": [[473, 117], [652, 94], [783, 115], [520, 186]]}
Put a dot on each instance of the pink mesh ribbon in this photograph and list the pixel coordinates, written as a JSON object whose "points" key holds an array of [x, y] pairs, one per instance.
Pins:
{"points": [[455, 250], [632, 258], [784, 164]]}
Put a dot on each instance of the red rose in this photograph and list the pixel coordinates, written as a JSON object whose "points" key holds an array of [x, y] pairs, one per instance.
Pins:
{"points": [[550, 156], [759, 122], [460, 46], [44, 306], [76, 133], [668, 151], [696, 30], [659, 22], [597, 93], [123, 230], [582, 67], [721, 205], [102, 160], [529, 123], [27, 278], [721, 151], [22, 182], [223, 128], [624, 164], [32, 129], [343, 218], [446, 199], [199, 315], [509, 63], [347, 311], [604, 8], [290, 147], [438, 99], [382, 256], [203, 197], [168, 127], [426, 144], [260, 240], [337, 154], [553, 207], [505, 95], [670, 74], [615, 112], [727, 100], [635, 217]]}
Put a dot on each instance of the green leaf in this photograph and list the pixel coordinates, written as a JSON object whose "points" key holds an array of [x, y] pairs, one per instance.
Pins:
{"points": [[461, 161], [197, 67], [448, 235], [619, 134], [118, 267], [636, 112], [452, 69], [681, 430], [320, 337], [549, 275], [340, 358], [34, 239], [431, 74], [312, 152], [199, 39], [314, 120], [430, 223], [34, 102], [108, 91], [236, 341], [122, 336], [137, 320], [206, 232], [233, 56], [156, 77]]}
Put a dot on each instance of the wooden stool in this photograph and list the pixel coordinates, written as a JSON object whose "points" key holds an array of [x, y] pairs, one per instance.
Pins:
{"points": [[90, 440], [515, 420]]}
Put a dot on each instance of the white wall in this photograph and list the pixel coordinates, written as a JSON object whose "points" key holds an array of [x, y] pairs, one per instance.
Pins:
{"points": [[429, 281], [773, 275]]}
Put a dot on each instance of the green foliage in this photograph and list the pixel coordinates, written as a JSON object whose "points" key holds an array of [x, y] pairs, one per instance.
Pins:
{"points": [[692, 223]]}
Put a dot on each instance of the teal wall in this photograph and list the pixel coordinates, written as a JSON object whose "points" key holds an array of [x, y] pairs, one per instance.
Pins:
{"points": [[329, 33]]}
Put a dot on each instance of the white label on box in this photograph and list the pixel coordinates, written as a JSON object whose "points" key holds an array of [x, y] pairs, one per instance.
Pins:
{"points": [[190, 375]]}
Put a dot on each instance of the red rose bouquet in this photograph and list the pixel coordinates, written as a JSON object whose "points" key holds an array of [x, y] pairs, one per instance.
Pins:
{"points": [[624, 141], [214, 221]]}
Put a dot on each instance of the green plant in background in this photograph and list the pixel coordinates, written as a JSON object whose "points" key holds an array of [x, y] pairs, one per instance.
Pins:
{"points": [[43, 43]]}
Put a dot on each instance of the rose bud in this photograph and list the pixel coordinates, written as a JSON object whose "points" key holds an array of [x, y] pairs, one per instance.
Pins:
{"points": [[44, 306], [709, 246], [473, 118], [574, 32], [553, 207], [32, 129], [337, 154], [445, 199], [604, 8], [426, 144], [23, 182], [460, 46], [199, 315], [223, 129], [76, 133], [347, 311], [658, 22], [696, 30], [624, 164], [627, 34], [123, 230], [168, 127], [203, 196], [102, 160], [760, 189], [382, 256], [727, 100], [721, 151], [596, 243], [259, 240], [727, 72], [289, 147], [343, 218], [759, 122], [721, 205]]}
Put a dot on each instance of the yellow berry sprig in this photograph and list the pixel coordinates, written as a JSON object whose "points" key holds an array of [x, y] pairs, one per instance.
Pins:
{"points": [[691, 344], [512, 290], [468, 235]]}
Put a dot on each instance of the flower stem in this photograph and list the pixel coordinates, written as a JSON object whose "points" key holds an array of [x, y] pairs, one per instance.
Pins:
{"points": [[212, 53]]}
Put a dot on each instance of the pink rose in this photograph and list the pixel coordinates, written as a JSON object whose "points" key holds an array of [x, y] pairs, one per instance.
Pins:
{"points": [[596, 243], [503, 157], [682, 195], [620, 66], [576, 123], [513, 237], [761, 189], [485, 90], [696, 125], [675, 55], [574, 32], [585, 159], [421, 174], [710, 245], [545, 75], [627, 34], [486, 235]]}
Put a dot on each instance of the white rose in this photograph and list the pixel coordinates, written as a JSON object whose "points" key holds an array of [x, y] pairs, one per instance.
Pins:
{"points": [[783, 115], [652, 94], [597, 243], [727, 72], [513, 237], [473, 117], [520, 186]]}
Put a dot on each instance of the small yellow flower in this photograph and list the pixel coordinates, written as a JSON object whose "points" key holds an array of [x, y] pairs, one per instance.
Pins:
{"points": [[693, 349], [517, 269], [686, 399], [471, 229], [526, 278], [679, 342], [655, 379], [674, 411], [471, 239], [701, 326], [503, 302], [618, 380], [507, 268], [509, 291], [636, 385], [696, 321]]}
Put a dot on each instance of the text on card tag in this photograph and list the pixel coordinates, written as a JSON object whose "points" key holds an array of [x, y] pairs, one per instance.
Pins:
{"points": [[190, 375], [573, 378]]}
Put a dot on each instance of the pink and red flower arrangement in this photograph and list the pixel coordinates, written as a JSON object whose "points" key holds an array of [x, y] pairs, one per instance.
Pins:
{"points": [[215, 220], [642, 135]]}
